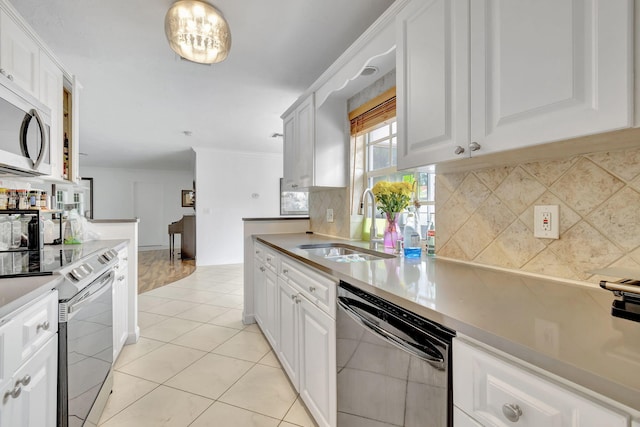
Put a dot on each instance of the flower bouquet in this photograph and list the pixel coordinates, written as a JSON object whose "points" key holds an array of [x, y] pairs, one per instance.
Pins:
{"points": [[391, 199]]}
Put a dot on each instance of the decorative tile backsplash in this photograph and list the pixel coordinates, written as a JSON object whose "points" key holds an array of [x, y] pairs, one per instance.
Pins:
{"points": [[321, 199], [486, 216]]}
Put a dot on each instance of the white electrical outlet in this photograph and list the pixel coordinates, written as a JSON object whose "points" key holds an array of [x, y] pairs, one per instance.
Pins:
{"points": [[546, 221], [329, 215]]}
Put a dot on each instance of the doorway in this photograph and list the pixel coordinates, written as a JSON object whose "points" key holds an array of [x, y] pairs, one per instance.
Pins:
{"points": [[147, 206]]}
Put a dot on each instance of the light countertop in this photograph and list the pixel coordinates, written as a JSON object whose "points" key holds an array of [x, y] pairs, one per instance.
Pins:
{"points": [[565, 329]]}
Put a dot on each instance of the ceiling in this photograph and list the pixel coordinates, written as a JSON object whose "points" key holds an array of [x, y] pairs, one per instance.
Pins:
{"points": [[139, 98]]}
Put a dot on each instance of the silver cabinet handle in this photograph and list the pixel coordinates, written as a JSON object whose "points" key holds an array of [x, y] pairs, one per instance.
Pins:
{"points": [[312, 288], [125, 258], [10, 77], [13, 393], [459, 150], [262, 269], [297, 299], [285, 271], [268, 259], [3, 72], [25, 380], [474, 146], [293, 297], [294, 185], [120, 278], [512, 412], [257, 252], [44, 326]]}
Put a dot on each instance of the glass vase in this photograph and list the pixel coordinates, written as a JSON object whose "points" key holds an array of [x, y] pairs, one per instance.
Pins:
{"points": [[391, 230]]}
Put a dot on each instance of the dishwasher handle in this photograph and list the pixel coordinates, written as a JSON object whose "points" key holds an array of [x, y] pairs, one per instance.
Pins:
{"points": [[93, 292], [416, 349]]}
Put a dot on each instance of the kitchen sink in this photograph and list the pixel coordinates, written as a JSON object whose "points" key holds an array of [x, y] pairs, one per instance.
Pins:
{"points": [[340, 252]]}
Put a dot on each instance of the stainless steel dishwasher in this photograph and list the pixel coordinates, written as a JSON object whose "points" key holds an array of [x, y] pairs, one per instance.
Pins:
{"points": [[393, 366]]}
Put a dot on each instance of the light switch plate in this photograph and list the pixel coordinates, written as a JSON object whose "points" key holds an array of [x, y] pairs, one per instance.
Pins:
{"points": [[546, 221]]}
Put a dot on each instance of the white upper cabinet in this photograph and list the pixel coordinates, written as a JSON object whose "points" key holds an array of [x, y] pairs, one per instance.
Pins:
{"points": [[492, 75], [299, 133], [51, 84], [548, 70], [19, 55], [432, 83]]}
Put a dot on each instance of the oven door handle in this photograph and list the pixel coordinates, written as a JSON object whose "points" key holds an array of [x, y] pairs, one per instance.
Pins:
{"points": [[94, 291], [437, 362]]}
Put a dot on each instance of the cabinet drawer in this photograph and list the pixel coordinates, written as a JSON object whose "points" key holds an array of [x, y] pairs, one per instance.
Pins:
{"points": [[317, 288], [497, 392], [258, 252], [271, 260], [36, 324], [25, 331]]}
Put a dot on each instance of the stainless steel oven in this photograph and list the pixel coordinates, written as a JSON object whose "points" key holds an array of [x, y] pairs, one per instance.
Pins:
{"points": [[393, 366], [85, 350]]}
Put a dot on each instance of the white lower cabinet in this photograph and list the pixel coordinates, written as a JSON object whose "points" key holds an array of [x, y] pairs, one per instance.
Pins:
{"points": [[317, 347], [295, 310], [34, 403], [498, 392], [29, 364], [121, 303], [288, 331], [265, 288]]}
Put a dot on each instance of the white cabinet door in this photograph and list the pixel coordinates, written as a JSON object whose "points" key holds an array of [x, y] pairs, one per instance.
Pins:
{"points": [[19, 55], [51, 84], [120, 303], [548, 70], [287, 324], [305, 130], [289, 137], [259, 293], [271, 308], [299, 137], [432, 68], [35, 405], [318, 363]]}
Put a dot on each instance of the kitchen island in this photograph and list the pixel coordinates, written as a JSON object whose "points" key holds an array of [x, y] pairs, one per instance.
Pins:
{"points": [[565, 329]]}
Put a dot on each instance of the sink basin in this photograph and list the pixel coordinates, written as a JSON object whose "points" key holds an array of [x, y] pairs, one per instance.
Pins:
{"points": [[340, 252]]}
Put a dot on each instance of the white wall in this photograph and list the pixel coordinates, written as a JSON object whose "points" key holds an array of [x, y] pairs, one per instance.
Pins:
{"points": [[225, 183], [113, 193]]}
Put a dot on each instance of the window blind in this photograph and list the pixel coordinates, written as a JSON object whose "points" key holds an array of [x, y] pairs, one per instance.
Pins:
{"points": [[372, 113]]}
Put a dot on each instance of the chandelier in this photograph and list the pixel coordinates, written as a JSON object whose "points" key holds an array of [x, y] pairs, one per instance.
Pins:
{"points": [[197, 31]]}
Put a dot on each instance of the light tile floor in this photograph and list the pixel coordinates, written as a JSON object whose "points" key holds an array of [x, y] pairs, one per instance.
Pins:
{"points": [[197, 365]]}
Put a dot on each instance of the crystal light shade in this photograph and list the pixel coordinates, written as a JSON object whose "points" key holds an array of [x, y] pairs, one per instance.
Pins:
{"points": [[197, 31]]}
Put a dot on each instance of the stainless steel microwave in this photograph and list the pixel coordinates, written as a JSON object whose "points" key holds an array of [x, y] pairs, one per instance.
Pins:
{"points": [[25, 126]]}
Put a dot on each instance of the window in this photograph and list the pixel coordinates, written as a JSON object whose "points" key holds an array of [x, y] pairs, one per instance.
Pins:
{"points": [[374, 156]]}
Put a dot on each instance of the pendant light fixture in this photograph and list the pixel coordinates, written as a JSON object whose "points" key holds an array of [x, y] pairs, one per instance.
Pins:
{"points": [[197, 31]]}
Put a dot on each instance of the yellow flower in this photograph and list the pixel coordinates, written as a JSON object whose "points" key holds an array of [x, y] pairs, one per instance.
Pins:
{"points": [[392, 196]]}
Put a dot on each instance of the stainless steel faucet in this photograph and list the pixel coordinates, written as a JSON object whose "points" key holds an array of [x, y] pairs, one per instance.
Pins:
{"points": [[373, 231]]}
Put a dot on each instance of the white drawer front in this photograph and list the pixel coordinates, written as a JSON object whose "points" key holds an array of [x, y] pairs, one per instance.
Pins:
{"points": [[271, 260], [319, 289], [258, 251], [37, 324], [498, 393]]}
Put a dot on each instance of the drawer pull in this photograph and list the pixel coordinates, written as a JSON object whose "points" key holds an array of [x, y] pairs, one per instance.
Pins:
{"points": [[511, 412], [44, 326], [257, 252], [24, 381], [459, 150], [120, 278], [474, 146], [268, 259], [13, 393], [312, 288], [285, 271], [262, 269]]}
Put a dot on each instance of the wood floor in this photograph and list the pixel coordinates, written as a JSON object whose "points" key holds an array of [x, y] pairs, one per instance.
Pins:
{"points": [[155, 269]]}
